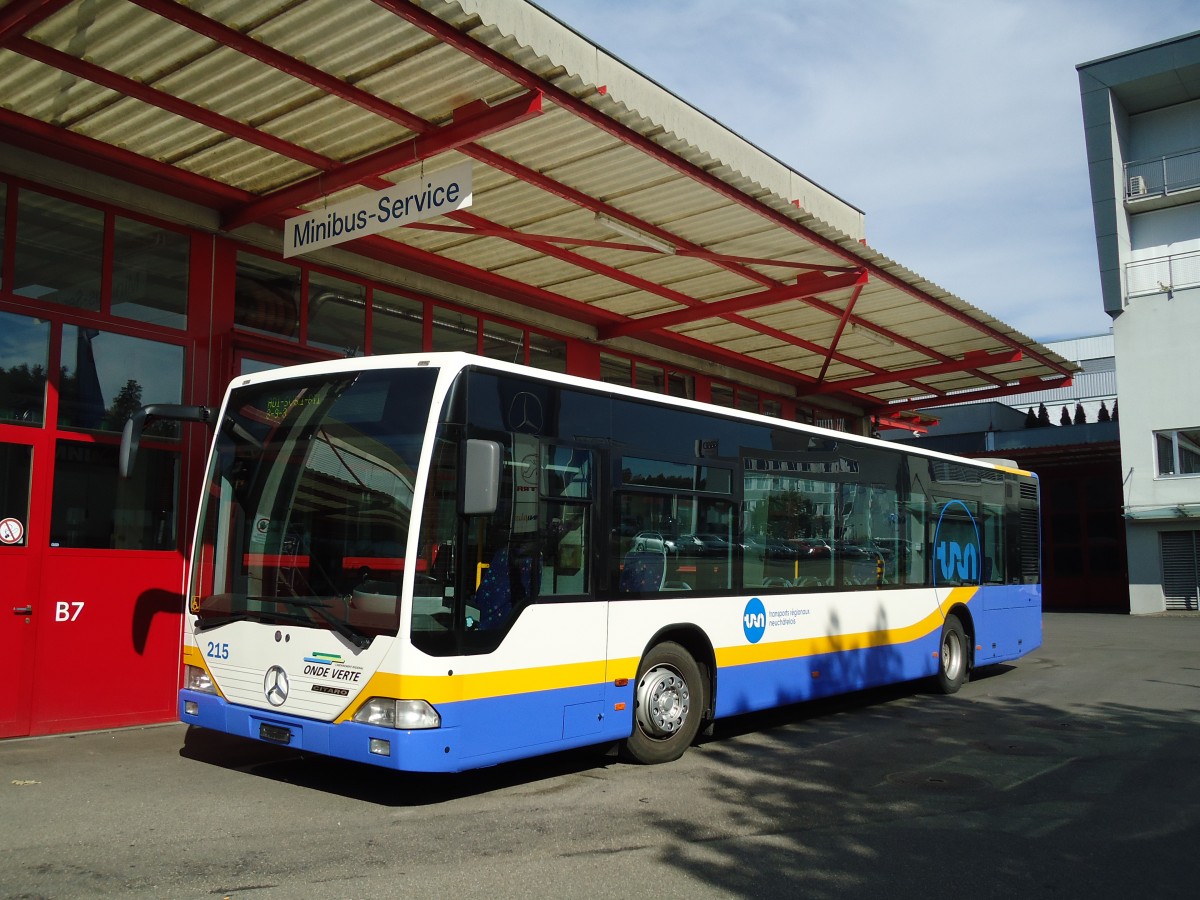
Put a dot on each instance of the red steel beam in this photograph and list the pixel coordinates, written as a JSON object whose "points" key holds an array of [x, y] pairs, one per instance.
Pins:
{"points": [[464, 43], [841, 327], [970, 361], [1023, 386], [807, 285], [469, 124]]}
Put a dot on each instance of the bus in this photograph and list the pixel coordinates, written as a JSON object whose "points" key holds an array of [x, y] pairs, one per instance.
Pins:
{"points": [[437, 562]]}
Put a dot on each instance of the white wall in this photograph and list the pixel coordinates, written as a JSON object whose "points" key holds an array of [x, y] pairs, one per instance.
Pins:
{"points": [[1162, 132], [1165, 232], [1159, 385]]}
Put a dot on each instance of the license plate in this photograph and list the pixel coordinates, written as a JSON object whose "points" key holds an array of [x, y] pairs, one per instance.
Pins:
{"points": [[274, 733]]}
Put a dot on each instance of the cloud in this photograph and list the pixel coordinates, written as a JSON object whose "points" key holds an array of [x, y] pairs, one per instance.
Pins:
{"points": [[955, 126]]}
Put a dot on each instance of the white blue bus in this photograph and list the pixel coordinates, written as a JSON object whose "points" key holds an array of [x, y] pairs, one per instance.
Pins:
{"points": [[437, 562]]}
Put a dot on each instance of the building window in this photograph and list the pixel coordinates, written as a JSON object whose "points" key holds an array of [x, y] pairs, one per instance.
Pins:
{"points": [[547, 353], [616, 370], [106, 376], [1178, 452], [503, 342], [24, 355], [336, 314], [150, 273], [455, 331], [93, 507], [722, 394], [266, 296], [397, 324], [59, 249], [16, 464]]}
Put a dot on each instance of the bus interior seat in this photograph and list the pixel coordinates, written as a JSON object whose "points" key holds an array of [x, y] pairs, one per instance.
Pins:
{"points": [[507, 582], [643, 571]]}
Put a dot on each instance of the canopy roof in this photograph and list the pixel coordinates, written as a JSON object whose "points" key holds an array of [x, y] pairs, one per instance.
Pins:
{"points": [[598, 195]]}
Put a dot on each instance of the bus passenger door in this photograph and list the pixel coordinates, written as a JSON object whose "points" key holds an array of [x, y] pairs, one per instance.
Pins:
{"points": [[19, 608]]}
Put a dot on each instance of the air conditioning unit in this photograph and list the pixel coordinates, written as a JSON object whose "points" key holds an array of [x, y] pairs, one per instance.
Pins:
{"points": [[1137, 186]]}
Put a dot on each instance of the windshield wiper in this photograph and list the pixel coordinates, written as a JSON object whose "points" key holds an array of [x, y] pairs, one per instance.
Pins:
{"points": [[205, 622], [321, 608]]}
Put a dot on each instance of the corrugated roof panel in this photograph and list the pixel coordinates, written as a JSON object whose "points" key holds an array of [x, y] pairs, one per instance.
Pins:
{"points": [[694, 196], [47, 94]]}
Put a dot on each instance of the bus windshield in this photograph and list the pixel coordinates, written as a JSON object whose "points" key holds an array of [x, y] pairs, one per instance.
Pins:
{"points": [[309, 500]]}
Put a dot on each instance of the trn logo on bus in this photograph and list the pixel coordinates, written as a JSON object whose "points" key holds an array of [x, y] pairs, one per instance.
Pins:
{"points": [[956, 543], [957, 561], [754, 620]]}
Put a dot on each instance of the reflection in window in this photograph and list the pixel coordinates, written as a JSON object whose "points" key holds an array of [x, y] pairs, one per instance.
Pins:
{"points": [[106, 376], [397, 324], [93, 507], [336, 314], [24, 354], [59, 249], [265, 298], [16, 463], [150, 273]]}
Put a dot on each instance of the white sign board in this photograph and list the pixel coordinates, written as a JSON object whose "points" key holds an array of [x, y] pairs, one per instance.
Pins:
{"points": [[411, 201]]}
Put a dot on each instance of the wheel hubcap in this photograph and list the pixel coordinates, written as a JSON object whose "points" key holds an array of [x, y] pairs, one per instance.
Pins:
{"points": [[663, 702], [951, 656]]}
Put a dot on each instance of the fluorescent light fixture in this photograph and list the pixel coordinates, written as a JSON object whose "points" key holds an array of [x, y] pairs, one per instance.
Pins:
{"points": [[872, 335], [629, 231]]}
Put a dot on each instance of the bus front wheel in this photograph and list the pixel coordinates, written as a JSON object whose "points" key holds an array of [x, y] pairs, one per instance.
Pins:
{"points": [[668, 705], [952, 657]]}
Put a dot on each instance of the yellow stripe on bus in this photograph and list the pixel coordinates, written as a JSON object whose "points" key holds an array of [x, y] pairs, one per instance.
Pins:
{"points": [[834, 643], [437, 689], [480, 685]]}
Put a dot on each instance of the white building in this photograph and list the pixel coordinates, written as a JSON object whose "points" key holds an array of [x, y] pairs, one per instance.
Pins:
{"points": [[1141, 112]]}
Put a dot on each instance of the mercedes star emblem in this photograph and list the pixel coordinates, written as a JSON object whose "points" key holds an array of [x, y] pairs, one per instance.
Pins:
{"points": [[525, 413], [275, 686]]}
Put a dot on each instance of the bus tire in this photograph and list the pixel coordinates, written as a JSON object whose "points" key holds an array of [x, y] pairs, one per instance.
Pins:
{"points": [[952, 656], [668, 705]]}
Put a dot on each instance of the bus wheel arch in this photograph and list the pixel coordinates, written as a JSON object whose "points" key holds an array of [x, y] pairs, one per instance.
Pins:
{"points": [[673, 696]]}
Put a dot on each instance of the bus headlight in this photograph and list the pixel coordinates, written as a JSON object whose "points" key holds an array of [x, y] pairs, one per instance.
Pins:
{"points": [[405, 715], [197, 679]]}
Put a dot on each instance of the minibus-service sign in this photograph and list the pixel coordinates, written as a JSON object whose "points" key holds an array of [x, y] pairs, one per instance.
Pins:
{"points": [[410, 201]]}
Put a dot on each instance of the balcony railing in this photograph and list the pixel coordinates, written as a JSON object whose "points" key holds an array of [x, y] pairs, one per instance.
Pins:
{"points": [[1165, 175], [1163, 275]]}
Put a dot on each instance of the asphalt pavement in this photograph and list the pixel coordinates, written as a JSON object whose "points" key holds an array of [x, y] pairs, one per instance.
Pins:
{"points": [[1074, 772]]}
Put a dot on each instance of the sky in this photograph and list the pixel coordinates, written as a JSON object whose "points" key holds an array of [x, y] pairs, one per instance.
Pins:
{"points": [[954, 125]]}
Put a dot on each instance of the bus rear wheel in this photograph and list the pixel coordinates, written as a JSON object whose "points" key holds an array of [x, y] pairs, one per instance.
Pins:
{"points": [[952, 657], [668, 705]]}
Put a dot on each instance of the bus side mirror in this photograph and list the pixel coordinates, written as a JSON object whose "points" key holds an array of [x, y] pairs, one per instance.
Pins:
{"points": [[481, 478], [131, 435]]}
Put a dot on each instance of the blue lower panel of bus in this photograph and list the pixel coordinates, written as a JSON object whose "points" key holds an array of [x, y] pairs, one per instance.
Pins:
{"points": [[474, 733], [764, 685]]}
